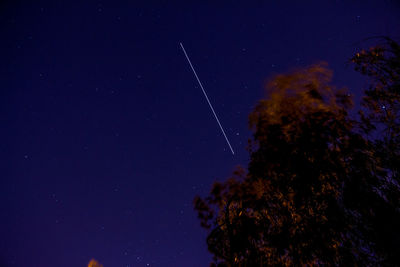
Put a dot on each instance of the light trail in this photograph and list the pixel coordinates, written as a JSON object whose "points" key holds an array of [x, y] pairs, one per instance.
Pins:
{"points": [[205, 94]]}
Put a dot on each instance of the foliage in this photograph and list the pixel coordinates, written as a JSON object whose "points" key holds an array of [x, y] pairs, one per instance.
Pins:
{"points": [[94, 263], [317, 189], [381, 122]]}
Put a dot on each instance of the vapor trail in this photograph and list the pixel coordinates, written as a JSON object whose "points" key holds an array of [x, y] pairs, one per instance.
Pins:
{"points": [[205, 94]]}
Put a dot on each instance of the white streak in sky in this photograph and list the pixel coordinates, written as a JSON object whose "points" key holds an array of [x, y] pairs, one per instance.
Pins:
{"points": [[209, 103]]}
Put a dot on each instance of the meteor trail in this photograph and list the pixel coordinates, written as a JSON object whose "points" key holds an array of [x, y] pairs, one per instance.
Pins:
{"points": [[209, 103]]}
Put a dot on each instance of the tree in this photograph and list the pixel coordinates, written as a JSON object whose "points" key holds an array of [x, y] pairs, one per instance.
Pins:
{"points": [[94, 263], [380, 121], [288, 209], [320, 188]]}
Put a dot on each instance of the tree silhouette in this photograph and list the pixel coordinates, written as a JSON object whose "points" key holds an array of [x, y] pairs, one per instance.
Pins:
{"points": [[380, 121], [312, 177]]}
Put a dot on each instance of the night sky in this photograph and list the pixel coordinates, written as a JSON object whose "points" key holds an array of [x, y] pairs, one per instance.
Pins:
{"points": [[106, 136]]}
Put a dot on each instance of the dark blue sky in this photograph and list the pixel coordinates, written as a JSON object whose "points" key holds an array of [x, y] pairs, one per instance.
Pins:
{"points": [[106, 136]]}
